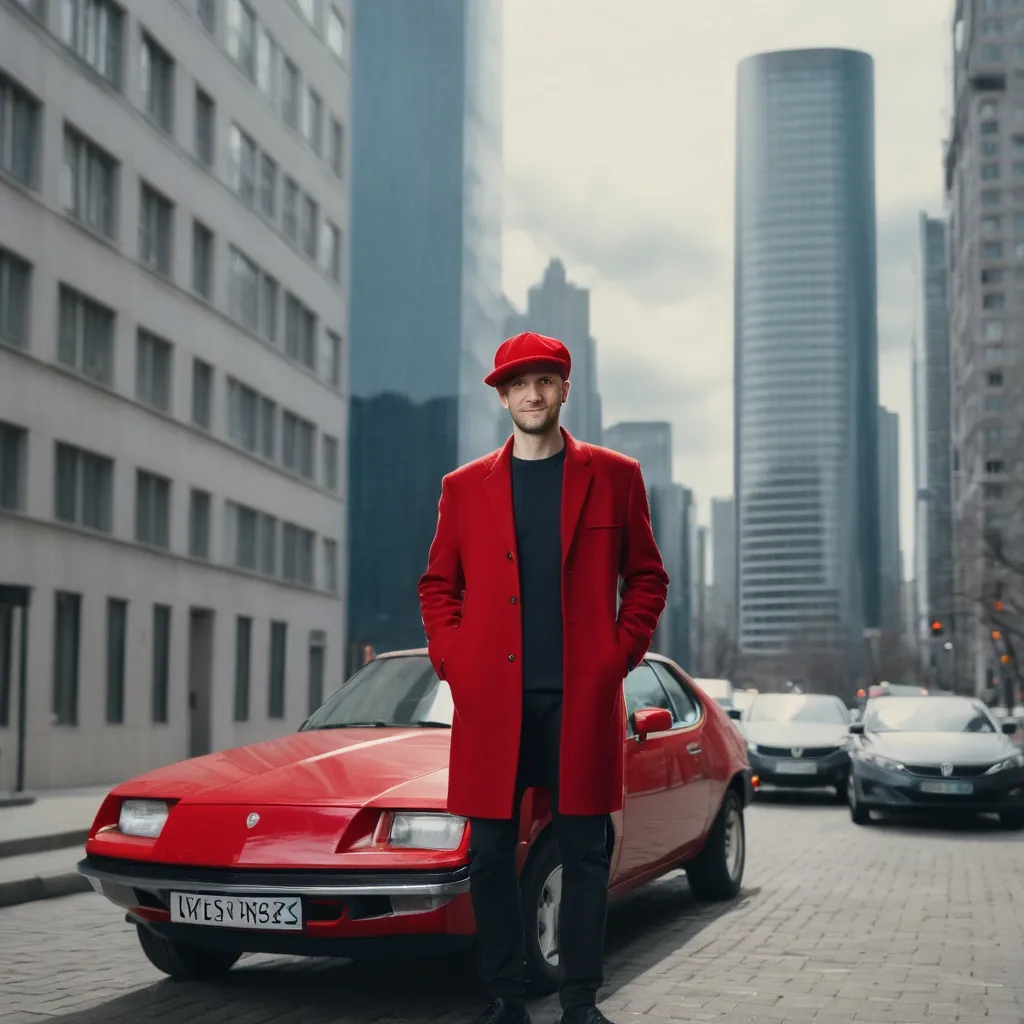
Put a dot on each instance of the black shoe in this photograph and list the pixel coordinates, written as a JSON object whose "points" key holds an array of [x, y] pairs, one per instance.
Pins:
{"points": [[586, 1015], [504, 1011]]}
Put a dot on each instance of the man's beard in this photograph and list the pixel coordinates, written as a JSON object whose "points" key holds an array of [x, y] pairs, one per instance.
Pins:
{"points": [[540, 424]]}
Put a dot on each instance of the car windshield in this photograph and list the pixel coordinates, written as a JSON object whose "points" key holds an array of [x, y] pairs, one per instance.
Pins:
{"points": [[402, 692], [797, 707], [928, 714]]}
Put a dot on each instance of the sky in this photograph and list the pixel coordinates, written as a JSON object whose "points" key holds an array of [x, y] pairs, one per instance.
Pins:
{"points": [[619, 127]]}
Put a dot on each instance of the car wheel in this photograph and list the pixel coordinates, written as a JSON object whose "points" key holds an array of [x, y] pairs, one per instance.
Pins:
{"points": [[859, 814], [843, 791], [1012, 820], [541, 889], [716, 873], [181, 961]]}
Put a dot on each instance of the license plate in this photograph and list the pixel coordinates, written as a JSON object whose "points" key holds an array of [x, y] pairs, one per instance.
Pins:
{"points": [[266, 913], [796, 768], [948, 788]]}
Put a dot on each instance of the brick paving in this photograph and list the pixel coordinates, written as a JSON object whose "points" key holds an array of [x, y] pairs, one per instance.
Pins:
{"points": [[892, 924]]}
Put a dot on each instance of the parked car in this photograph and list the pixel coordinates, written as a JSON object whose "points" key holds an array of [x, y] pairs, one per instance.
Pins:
{"points": [[334, 840], [935, 754], [798, 740]]}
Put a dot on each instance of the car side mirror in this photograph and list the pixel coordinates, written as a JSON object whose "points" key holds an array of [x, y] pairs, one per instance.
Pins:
{"points": [[856, 728], [734, 713], [651, 720], [1010, 726]]}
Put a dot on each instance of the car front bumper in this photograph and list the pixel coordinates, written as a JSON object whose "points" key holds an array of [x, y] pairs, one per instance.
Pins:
{"points": [[803, 773], [344, 913], [884, 789]]}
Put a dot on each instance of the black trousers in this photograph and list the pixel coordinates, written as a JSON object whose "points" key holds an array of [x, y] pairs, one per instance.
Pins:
{"points": [[494, 885]]}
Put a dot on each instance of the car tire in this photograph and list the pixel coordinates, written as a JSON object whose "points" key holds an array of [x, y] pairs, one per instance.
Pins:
{"points": [[181, 961], [716, 873], [859, 814], [1012, 821], [843, 792], [541, 890]]}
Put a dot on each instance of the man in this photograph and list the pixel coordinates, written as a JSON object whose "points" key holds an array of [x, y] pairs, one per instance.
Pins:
{"points": [[519, 607]]}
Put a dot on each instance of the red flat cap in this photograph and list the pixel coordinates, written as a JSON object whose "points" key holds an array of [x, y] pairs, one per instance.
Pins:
{"points": [[529, 351]]}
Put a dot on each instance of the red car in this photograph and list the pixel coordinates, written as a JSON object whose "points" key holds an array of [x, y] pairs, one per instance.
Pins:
{"points": [[334, 841]]}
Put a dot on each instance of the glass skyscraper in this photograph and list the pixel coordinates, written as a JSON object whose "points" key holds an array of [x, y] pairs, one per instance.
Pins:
{"points": [[426, 306], [806, 390]]}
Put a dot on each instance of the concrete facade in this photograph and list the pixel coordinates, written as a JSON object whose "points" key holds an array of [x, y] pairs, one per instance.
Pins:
{"points": [[273, 442]]}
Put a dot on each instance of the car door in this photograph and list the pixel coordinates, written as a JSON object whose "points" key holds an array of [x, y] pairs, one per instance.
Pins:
{"points": [[688, 796], [647, 835]]}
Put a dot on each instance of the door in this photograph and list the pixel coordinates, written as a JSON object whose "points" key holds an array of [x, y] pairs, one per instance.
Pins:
{"points": [[647, 835], [200, 681], [689, 790]]}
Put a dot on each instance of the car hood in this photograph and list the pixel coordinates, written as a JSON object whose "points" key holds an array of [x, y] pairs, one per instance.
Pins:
{"points": [[795, 734], [933, 748], [337, 767]]}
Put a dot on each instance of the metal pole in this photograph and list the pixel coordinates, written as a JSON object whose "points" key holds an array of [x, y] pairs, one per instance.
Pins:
{"points": [[22, 697]]}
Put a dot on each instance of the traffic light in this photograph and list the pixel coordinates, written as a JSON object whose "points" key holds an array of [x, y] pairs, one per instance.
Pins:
{"points": [[936, 628]]}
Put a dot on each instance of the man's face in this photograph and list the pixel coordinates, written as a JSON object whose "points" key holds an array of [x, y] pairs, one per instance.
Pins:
{"points": [[535, 400]]}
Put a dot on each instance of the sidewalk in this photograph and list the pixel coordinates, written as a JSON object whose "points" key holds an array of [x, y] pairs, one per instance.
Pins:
{"points": [[41, 842]]}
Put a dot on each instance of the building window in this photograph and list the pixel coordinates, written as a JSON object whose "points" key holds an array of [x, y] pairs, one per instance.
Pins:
{"points": [[19, 132], [207, 11], [161, 662], [990, 172], [995, 380], [117, 628], [252, 420], [268, 186], [992, 251], [153, 370], [331, 566], [993, 437], [66, 635], [991, 197], [317, 651], [83, 488], [994, 403], [243, 164], [298, 440], [202, 260], [315, 121], [298, 554], [199, 525], [993, 353], [337, 151], [94, 30], [291, 95], [202, 394], [991, 276], [241, 36], [6, 662], [308, 229], [243, 667], [88, 183], [252, 539], [991, 225], [152, 510], [13, 457], [335, 33], [278, 655], [252, 297], [290, 218], [156, 73], [206, 131], [330, 250], [995, 466], [330, 358], [86, 336], [15, 294], [299, 332], [992, 27], [994, 300], [992, 52], [33, 7], [330, 455], [156, 229], [268, 65]]}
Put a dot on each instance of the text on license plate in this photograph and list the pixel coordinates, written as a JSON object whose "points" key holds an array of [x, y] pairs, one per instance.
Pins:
{"points": [[948, 788], [265, 912], [796, 767]]}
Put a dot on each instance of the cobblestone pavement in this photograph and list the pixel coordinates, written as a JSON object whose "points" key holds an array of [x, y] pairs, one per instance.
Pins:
{"points": [[892, 924]]}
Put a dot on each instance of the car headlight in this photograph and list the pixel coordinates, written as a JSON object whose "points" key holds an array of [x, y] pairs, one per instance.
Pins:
{"points": [[427, 831], [883, 762], [143, 817], [752, 748], [1017, 761]]}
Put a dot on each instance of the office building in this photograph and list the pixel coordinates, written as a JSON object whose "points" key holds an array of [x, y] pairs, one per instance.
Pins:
{"points": [[985, 259], [560, 309], [889, 519], [806, 450], [647, 441], [172, 313], [426, 310], [722, 601]]}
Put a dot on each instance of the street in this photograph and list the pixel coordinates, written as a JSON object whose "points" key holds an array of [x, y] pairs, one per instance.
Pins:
{"points": [[892, 924]]}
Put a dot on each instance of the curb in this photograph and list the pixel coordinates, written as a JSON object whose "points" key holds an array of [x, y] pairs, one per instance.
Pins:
{"points": [[17, 800], [28, 890], [43, 844]]}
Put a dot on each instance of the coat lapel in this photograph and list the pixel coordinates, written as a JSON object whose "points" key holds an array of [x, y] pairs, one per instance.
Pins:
{"points": [[498, 484], [575, 485]]}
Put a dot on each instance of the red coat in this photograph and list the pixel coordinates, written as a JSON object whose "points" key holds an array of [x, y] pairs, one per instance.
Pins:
{"points": [[469, 600]]}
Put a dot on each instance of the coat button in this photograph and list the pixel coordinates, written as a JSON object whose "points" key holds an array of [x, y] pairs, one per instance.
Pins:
{"points": [[508, 555], [513, 600], [511, 657]]}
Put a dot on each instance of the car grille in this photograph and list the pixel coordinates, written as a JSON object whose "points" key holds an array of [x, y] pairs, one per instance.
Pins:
{"points": [[960, 771], [791, 751]]}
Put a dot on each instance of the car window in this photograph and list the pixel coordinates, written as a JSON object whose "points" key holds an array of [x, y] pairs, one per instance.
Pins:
{"points": [[685, 710], [643, 690]]}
